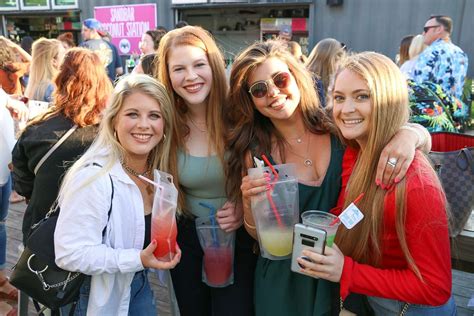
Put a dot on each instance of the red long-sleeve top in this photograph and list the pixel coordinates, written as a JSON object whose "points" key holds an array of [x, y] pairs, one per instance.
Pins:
{"points": [[427, 239]]}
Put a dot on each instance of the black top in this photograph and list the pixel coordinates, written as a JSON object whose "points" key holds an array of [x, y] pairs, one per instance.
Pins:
{"points": [[33, 144], [147, 240]]}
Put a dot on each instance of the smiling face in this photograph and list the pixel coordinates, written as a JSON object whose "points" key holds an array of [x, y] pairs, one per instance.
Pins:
{"points": [[277, 103], [139, 125], [352, 106], [146, 44], [190, 74]]}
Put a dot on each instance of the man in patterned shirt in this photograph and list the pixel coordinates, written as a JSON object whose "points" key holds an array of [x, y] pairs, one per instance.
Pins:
{"points": [[441, 62]]}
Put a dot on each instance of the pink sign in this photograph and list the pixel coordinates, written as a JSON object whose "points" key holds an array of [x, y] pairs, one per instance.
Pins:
{"points": [[126, 24]]}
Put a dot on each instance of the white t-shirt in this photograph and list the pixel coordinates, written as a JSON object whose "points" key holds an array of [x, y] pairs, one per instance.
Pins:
{"points": [[7, 141]]}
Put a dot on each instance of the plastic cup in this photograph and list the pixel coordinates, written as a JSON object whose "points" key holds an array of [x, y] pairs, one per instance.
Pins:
{"points": [[218, 248], [164, 231], [322, 220]]}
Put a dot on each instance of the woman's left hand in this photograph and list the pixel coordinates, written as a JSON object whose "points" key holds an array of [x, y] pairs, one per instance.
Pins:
{"points": [[230, 216], [328, 266], [395, 159]]}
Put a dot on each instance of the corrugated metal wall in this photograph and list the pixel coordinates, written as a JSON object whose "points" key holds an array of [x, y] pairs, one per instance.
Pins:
{"points": [[380, 25], [377, 25]]}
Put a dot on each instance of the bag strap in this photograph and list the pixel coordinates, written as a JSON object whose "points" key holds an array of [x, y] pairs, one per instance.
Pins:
{"points": [[52, 149], [110, 208]]}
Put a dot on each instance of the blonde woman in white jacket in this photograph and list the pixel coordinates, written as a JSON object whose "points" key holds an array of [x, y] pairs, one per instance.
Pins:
{"points": [[131, 142]]}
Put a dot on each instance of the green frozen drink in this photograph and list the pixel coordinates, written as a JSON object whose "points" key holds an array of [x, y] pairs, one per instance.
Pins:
{"points": [[322, 220]]}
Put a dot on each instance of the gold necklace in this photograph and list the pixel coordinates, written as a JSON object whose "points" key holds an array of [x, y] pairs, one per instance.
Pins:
{"points": [[195, 125], [307, 160], [299, 139], [135, 173]]}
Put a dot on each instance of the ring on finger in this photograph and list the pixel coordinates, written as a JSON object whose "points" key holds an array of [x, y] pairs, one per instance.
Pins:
{"points": [[392, 162]]}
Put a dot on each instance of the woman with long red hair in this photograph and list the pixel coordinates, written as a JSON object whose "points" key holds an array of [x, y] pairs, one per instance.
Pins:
{"points": [[82, 90]]}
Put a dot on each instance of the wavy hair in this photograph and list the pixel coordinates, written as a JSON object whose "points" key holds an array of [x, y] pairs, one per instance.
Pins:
{"points": [[42, 70], [249, 125], [389, 111], [106, 145], [197, 37], [323, 60], [82, 88]]}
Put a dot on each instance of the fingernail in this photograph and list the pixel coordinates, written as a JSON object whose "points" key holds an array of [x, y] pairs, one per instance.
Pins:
{"points": [[383, 186], [154, 241], [396, 180], [377, 182], [268, 187]]}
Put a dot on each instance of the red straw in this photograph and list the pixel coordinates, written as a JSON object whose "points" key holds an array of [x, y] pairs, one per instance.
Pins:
{"points": [[269, 196], [357, 199], [275, 173]]}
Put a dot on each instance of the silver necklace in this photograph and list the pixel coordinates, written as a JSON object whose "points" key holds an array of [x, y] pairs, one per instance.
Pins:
{"points": [[195, 125], [307, 161]]}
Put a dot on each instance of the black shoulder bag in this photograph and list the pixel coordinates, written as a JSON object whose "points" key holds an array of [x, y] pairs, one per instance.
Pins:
{"points": [[36, 272]]}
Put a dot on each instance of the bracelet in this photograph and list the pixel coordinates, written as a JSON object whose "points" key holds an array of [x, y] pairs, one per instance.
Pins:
{"points": [[248, 225], [414, 130]]}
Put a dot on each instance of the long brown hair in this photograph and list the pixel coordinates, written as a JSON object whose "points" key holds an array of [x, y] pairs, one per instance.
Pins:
{"points": [[197, 37], [82, 88], [390, 110], [249, 125]]}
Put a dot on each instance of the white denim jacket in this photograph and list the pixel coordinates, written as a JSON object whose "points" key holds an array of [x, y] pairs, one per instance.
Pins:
{"points": [[78, 237]]}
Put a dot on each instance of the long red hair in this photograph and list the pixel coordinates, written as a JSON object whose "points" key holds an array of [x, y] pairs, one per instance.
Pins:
{"points": [[82, 88]]}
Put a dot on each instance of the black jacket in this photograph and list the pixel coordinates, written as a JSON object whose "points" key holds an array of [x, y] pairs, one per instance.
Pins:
{"points": [[35, 141]]}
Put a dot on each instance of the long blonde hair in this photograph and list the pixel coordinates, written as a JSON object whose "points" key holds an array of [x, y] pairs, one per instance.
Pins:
{"points": [[390, 110], [42, 70], [106, 146], [197, 37], [324, 59]]}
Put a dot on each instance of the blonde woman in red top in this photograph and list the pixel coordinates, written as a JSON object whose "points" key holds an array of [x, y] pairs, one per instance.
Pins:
{"points": [[399, 253]]}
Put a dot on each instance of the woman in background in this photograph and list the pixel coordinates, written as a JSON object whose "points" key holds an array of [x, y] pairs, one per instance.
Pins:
{"points": [[47, 55], [403, 55], [80, 97], [322, 62], [416, 47]]}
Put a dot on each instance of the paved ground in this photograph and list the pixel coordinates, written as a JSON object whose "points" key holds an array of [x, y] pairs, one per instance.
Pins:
{"points": [[463, 282]]}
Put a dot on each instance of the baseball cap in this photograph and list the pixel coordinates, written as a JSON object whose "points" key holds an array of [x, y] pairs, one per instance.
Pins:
{"points": [[92, 24]]}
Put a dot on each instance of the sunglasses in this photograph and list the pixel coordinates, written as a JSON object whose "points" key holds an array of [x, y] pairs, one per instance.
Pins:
{"points": [[426, 28], [260, 89]]}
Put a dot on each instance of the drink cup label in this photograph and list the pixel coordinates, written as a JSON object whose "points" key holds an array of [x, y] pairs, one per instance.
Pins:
{"points": [[351, 216]]}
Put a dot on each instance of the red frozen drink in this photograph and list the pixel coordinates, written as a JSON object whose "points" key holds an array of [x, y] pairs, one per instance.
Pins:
{"points": [[218, 265], [164, 232]]}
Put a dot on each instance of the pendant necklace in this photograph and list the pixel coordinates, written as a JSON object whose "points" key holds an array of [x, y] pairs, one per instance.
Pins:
{"points": [[307, 160], [299, 139]]}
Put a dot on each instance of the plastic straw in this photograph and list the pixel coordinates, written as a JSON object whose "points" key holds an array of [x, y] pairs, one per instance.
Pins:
{"points": [[269, 195], [357, 199], [215, 239]]}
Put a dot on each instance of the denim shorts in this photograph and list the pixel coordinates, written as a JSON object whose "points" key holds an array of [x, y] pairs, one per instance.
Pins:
{"points": [[383, 306], [142, 301]]}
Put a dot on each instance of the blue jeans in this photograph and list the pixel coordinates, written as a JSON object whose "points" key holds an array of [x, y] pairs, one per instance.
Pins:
{"points": [[383, 306], [5, 191], [142, 302]]}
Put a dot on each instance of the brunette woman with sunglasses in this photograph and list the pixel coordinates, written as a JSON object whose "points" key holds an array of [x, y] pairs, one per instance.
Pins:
{"points": [[274, 110]]}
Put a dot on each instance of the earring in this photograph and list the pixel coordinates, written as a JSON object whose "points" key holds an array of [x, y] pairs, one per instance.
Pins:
{"points": [[115, 134], [164, 136]]}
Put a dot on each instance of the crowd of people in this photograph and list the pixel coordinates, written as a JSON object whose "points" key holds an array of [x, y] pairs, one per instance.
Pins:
{"points": [[341, 118]]}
